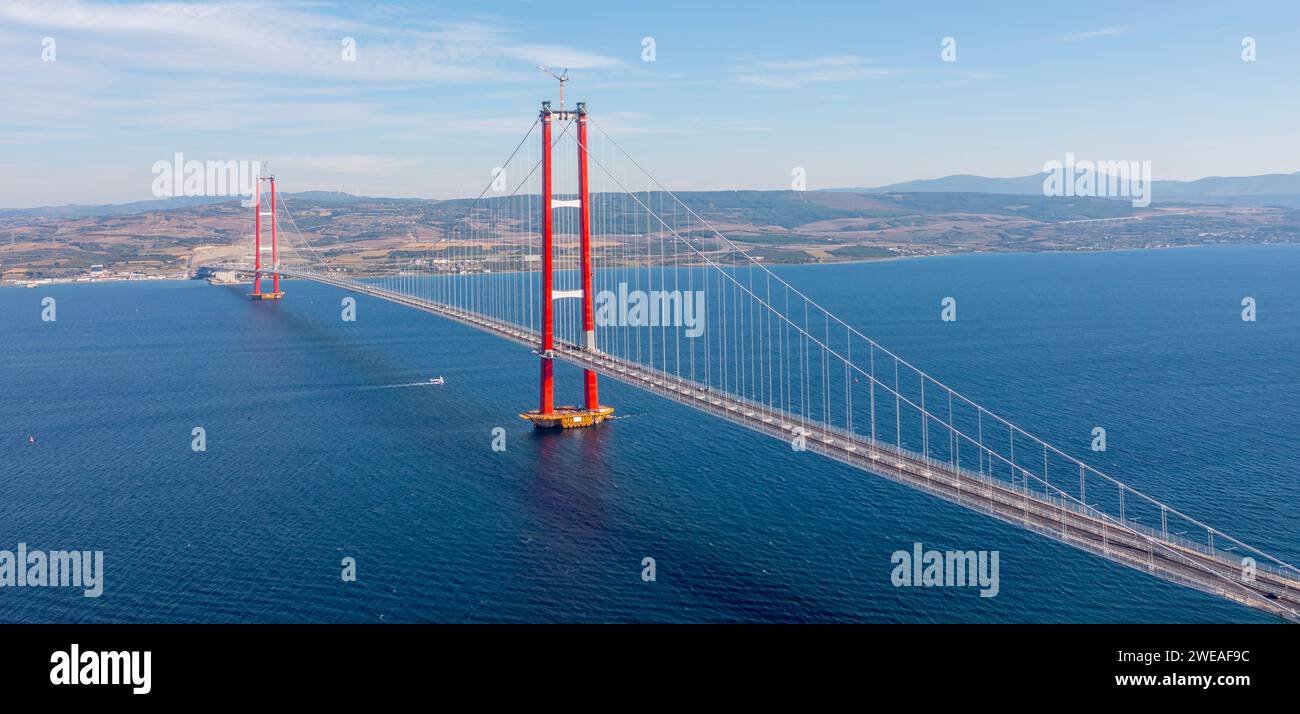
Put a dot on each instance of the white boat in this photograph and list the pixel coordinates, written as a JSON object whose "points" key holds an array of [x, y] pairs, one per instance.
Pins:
{"points": [[437, 380]]}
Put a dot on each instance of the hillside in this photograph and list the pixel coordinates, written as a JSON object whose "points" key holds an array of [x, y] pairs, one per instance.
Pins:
{"points": [[366, 234]]}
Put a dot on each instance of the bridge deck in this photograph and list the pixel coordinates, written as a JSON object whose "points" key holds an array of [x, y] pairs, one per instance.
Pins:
{"points": [[1272, 590]]}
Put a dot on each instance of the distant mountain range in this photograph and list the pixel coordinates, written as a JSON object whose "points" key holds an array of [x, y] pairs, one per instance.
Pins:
{"points": [[1213, 189], [1271, 189], [78, 210]]}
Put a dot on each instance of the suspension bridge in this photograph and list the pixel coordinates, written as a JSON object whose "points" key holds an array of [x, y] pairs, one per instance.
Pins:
{"points": [[577, 252]]}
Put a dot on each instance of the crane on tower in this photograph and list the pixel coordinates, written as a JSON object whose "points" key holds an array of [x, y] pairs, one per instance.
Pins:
{"points": [[562, 78]]}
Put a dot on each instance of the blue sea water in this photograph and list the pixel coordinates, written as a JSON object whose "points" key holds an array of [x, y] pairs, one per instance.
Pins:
{"points": [[315, 452]]}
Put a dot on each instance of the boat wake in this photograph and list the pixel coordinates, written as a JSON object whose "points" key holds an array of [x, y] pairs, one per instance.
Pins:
{"points": [[404, 385]]}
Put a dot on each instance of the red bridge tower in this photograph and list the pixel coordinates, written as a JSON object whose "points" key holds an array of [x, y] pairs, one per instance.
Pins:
{"points": [[257, 293], [547, 415]]}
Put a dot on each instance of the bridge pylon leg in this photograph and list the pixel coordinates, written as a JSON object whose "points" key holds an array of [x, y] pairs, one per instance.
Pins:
{"points": [[547, 402], [547, 415], [592, 397], [257, 243], [275, 254]]}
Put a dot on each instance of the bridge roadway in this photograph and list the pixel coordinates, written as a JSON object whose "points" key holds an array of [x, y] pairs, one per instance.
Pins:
{"points": [[1273, 589]]}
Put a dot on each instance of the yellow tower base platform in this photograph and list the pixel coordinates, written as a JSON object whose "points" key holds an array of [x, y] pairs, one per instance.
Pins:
{"points": [[266, 296], [568, 417]]}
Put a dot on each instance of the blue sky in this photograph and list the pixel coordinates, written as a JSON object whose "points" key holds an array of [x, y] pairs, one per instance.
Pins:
{"points": [[739, 93]]}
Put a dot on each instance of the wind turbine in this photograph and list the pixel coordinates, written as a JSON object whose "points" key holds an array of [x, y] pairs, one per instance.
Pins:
{"points": [[561, 78]]}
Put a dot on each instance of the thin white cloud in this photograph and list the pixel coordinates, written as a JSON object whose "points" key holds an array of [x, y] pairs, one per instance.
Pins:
{"points": [[1093, 34], [366, 164], [735, 125], [817, 70], [259, 39], [219, 67]]}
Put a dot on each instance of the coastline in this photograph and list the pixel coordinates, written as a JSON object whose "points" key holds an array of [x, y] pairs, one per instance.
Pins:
{"points": [[861, 261], [1034, 252]]}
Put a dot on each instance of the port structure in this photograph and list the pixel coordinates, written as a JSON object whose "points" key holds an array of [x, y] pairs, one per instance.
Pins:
{"points": [[592, 412], [257, 293]]}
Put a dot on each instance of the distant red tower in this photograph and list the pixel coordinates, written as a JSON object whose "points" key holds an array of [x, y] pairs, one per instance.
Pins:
{"points": [[257, 293], [547, 415]]}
